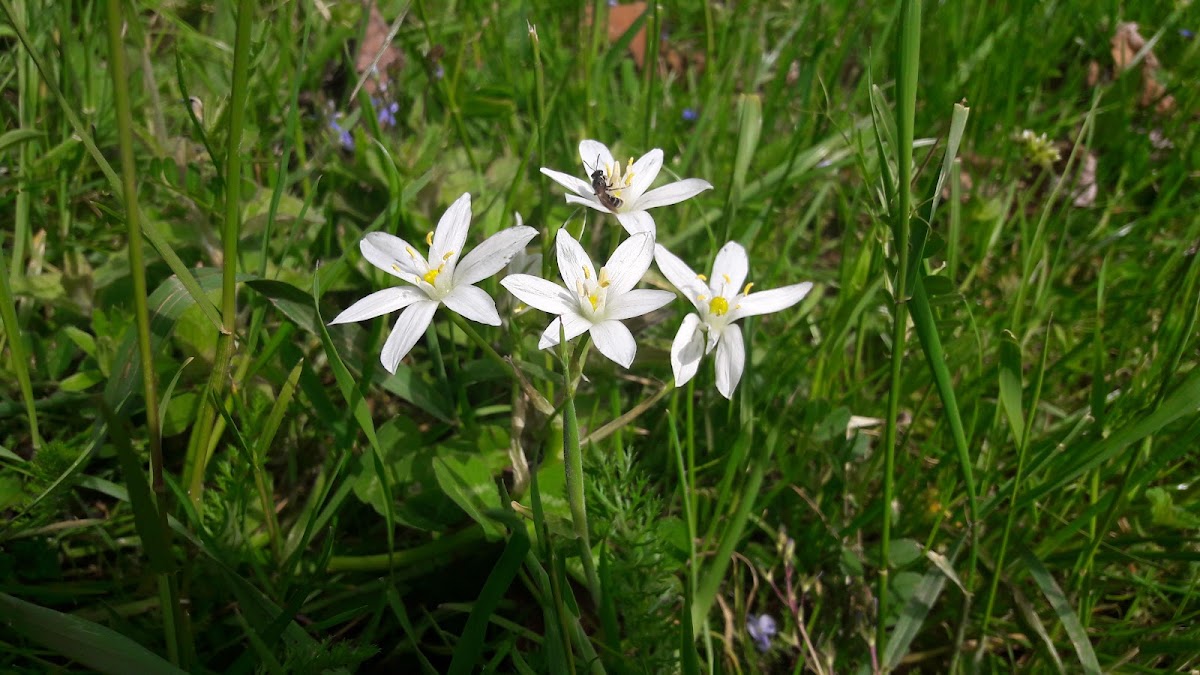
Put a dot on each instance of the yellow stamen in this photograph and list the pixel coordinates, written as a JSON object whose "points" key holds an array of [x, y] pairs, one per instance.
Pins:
{"points": [[594, 299], [701, 277], [746, 291], [726, 278], [701, 298], [447, 256], [397, 268], [432, 275], [604, 280], [718, 306], [586, 273], [429, 238], [629, 173], [411, 253]]}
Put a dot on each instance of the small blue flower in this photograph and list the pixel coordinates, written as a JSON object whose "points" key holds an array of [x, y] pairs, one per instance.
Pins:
{"points": [[690, 115], [387, 114], [1186, 34], [612, 3], [761, 629], [344, 137], [439, 72]]}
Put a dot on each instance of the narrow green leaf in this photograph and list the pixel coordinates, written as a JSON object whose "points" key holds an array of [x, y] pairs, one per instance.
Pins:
{"points": [[86, 642], [470, 646], [1010, 386], [1066, 615]]}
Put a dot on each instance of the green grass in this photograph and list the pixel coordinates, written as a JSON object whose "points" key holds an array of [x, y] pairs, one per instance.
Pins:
{"points": [[197, 473]]}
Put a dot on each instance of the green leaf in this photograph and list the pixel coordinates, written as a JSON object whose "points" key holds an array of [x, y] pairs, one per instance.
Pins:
{"points": [[80, 640], [469, 648], [1066, 615], [1010, 386]]}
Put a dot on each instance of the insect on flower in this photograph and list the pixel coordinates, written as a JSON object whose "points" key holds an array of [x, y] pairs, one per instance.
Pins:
{"points": [[603, 187]]}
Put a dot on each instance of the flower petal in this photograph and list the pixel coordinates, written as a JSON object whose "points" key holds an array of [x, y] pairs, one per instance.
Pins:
{"points": [[636, 303], [493, 254], [731, 360], [539, 293], [451, 233], [573, 262], [636, 222], [774, 300], [392, 255], [671, 193], [595, 155], [686, 350], [729, 270], [574, 324], [591, 202], [408, 329], [680, 275], [474, 303], [629, 263], [380, 303], [615, 341], [645, 170], [572, 183]]}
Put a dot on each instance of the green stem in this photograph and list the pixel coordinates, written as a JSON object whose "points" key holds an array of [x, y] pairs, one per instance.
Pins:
{"points": [[137, 269], [907, 51], [573, 468], [544, 406], [218, 379], [433, 551]]}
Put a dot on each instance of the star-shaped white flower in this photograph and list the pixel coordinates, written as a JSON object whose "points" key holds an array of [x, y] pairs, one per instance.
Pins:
{"points": [[594, 302], [626, 191], [719, 302], [441, 279]]}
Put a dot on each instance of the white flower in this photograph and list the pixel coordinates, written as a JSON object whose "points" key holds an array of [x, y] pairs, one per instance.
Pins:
{"points": [[629, 188], [594, 302], [719, 304], [441, 279]]}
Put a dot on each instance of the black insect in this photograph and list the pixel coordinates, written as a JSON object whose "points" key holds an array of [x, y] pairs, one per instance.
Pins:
{"points": [[603, 189]]}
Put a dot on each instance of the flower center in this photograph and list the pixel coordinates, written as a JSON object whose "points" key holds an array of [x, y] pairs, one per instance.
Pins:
{"points": [[595, 292], [616, 180], [718, 306], [431, 276]]}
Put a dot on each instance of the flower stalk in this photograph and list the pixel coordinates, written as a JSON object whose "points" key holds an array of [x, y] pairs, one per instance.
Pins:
{"points": [[573, 467]]}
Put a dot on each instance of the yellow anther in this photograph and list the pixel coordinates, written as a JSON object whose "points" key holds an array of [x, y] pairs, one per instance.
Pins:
{"points": [[701, 277], [629, 173], [587, 274], [746, 291], [604, 280], [718, 306], [447, 256], [396, 267], [701, 298], [726, 278], [429, 238], [431, 276], [410, 252]]}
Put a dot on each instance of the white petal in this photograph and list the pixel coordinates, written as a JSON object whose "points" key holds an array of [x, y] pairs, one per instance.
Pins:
{"points": [[629, 263], [590, 202], [615, 341], [731, 360], [451, 233], [686, 350], [765, 302], [672, 193], [539, 293], [680, 275], [729, 269], [572, 183], [645, 170], [380, 303], [392, 255], [595, 155], [636, 303], [574, 324], [572, 260], [409, 328], [474, 303], [493, 254], [636, 222]]}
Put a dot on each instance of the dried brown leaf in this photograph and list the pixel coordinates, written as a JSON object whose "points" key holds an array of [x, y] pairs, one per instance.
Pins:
{"points": [[375, 44]]}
